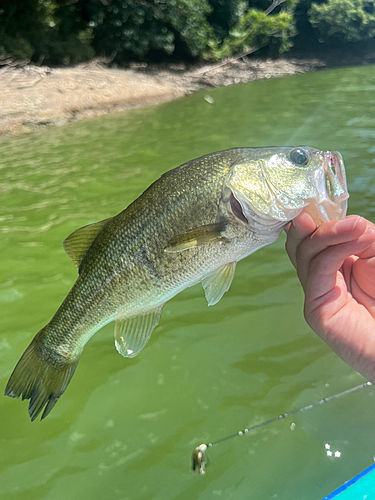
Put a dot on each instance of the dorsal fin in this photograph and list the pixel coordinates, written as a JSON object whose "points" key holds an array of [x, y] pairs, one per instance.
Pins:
{"points": [[77, 244]]}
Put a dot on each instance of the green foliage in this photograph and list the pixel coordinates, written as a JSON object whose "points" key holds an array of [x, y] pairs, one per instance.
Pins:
{"points": [[256, 29], [68, 40], [224, 15], [346, 20], [71, 31], [189, 21], [21, 23], [17, 46], [70, 49], [130, 28], [43, 29]]}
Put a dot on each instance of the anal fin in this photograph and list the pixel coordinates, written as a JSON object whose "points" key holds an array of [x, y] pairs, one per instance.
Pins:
{"points": [[218, 282], [132, 334]]}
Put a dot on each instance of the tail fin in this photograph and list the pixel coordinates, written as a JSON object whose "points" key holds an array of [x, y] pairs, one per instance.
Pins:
{"points": [[40, 378]]}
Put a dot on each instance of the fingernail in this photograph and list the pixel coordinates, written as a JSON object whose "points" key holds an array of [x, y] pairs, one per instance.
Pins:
{"points": [[347, 225]]}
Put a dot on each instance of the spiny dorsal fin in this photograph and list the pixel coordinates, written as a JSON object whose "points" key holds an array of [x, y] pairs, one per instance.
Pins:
{"points": [[218, 282], [132, 334], [196, 237], [77, 244]]}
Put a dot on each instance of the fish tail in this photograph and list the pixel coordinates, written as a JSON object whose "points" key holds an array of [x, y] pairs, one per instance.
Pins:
{"points": [[42, 376]]}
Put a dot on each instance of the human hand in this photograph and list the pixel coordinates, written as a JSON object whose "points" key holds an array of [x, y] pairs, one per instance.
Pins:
{"points": [[335, 264]]}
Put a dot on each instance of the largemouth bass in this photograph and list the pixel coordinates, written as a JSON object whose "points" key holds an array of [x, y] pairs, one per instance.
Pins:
{"points": [[192, 225]]}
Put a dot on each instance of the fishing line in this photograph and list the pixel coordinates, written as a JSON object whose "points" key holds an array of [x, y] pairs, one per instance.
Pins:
{"points": [[199, 455]]}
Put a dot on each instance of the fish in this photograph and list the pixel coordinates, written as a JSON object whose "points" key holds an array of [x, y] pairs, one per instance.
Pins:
{"points": [[191, 225]]}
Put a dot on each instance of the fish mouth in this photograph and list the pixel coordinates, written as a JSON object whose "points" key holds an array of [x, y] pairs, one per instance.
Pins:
{"points": [[334, 164], [333, 200]]}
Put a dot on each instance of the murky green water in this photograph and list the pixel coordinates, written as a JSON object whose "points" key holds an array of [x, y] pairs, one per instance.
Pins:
{"points": [[125, 428]]}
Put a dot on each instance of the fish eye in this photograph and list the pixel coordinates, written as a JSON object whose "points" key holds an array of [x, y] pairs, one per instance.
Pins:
{"points": [[299, 157]]}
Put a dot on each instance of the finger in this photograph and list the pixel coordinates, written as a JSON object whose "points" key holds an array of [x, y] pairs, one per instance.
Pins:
{"points": [[364, 293], [323, 277], [364, 273], [328, 234], [299, 229], [370, 251], [364, 267]]}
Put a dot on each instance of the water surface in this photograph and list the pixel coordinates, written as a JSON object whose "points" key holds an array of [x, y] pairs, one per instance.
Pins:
{"points": [[125, 429]]}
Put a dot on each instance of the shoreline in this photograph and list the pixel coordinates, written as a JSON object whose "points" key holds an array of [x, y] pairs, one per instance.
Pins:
{"points": [[33, 97]]}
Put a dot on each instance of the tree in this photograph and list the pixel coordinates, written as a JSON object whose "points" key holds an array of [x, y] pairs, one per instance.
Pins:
{"points": [[138, 29], [69, 31], [22, 22], [55, 31], [345, 20], [188, 29], [256, 28]]}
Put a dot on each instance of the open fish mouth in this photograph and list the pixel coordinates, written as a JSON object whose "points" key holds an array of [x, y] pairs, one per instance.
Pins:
{"points": [[333, 200], [334, 163], [336, 186]]}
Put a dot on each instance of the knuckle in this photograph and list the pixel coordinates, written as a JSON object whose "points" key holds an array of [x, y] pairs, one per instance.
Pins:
{"points": [[326, 230]]}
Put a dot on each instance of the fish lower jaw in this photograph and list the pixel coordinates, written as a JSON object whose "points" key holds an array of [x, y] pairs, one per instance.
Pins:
{"points": [[327, 210]]}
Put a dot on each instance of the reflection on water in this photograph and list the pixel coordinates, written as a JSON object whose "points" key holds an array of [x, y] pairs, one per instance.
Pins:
{"points": [[125, 428]]}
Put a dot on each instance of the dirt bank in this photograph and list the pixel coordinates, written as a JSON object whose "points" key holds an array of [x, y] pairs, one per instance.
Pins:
{"points": [[33, 97]]}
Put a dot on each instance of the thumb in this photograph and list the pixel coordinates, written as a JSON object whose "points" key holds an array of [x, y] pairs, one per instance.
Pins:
{"points": [[299, 229]]}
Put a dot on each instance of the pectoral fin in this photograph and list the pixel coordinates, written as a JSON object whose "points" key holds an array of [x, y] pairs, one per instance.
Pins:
{"points": [[77, 244], [197, 237], [132, 334], [218, 282]]}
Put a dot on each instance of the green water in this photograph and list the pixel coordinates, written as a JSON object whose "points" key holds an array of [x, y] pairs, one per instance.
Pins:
{"points": [[125, 429]]}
